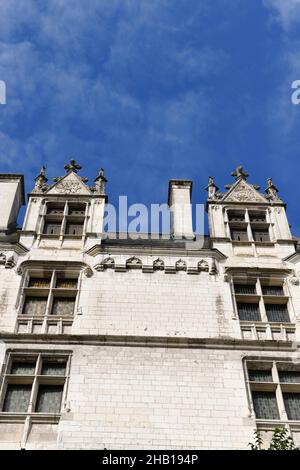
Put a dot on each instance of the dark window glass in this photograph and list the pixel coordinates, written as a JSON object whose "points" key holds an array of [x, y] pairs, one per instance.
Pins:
{"points": [[51, 228], [35, 306], [55, 209], [74, 229], [248, 311], [77, 210], [239, 235], [66, 283], [236, 217], [49, 398], [272, 290], [277, 313], [292, 405], [63, 306], [260, 375], [259, 217], [245, 288], [265, 405], [289, 376], [39, 282], [53, 368], [22, 368], [17, 398], [261, 235]]}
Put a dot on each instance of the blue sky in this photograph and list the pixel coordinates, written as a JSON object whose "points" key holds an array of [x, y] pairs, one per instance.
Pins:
{"points": [[152, 90]]}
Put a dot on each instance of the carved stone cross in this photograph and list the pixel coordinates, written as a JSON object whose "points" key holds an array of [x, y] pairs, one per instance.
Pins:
{"points": [[239, 173], [72, 166]]}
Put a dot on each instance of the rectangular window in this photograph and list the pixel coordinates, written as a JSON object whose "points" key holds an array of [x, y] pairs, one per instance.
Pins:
{"points": [[63, 306], [40, 386], [275, 390], [69, 216], [239, 235], [260, 299], [35, 306], [265, 405], [248, 311], [292, 405], [260, 375], [277, 313], [260, 235]]}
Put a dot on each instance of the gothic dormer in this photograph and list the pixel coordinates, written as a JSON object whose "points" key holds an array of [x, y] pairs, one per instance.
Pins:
{"points": [[67, 212], [244, 216]]}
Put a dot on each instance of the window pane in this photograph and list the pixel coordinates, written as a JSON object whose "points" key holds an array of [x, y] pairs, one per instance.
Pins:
{"points": [[236, 216], [248, 312], [265, 405], [257, 217], [244, 288], [66, 283], [63, 306], [53, 368], [23, 368], [77, 210], [261, 235], [49, 399], [292, 405], [52, 228], [277, 313], [55, 209], [272, 290], [239, 235], [289, 376], [17, 398], [35, 306], [39, 282], [74, 229], [260, 375]]}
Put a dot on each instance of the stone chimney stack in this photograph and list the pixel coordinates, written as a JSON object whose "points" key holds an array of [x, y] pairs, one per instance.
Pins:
{"points": [[179, 201], [12, 198]]}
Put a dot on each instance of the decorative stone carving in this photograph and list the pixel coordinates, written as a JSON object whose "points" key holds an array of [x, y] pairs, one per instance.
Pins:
{"points": [[72, 166], [88, 272], [239, 173], [158, 264], [40, 181], [244, 193], [212, 189], [180, 265], [68, 187], [108, 263], [10, 262], [203, 265], [213, 267], [2, 258], [272, 191], [133, 263], [100, 181], [294, 281]]}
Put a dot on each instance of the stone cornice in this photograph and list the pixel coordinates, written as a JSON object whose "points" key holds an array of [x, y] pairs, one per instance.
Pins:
{"points": [[150, 341]]}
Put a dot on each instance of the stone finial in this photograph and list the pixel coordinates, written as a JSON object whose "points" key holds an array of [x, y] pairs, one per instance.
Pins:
{"points": [[211, 188], [41, 181], [72, 166], [271, 190], [100, 181], [240, 174]]}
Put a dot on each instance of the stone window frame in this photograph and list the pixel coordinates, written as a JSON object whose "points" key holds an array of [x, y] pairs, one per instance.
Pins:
{"points": [[47, 322], [245, 224], [260, 298], [35, 380], [64, 218], [276, 386]]}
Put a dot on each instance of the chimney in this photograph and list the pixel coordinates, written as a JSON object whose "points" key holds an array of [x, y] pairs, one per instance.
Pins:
{"points": [[12, 198], [179, 201]]}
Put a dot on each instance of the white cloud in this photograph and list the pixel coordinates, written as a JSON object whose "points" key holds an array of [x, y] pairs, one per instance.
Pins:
{"points": [[287, 11]]}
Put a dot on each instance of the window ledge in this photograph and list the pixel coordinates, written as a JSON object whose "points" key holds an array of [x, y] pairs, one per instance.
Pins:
{"points": [[47, 418]]}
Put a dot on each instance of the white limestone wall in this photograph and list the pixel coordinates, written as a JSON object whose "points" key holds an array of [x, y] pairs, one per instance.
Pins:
{"points": [[123, 397]]}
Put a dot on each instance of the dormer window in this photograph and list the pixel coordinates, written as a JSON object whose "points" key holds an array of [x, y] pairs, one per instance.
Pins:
{"points": [[248, 225], [66, 219]]}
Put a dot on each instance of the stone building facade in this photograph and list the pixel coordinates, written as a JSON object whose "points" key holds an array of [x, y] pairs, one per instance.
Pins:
{"points": [[148, 344]]}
